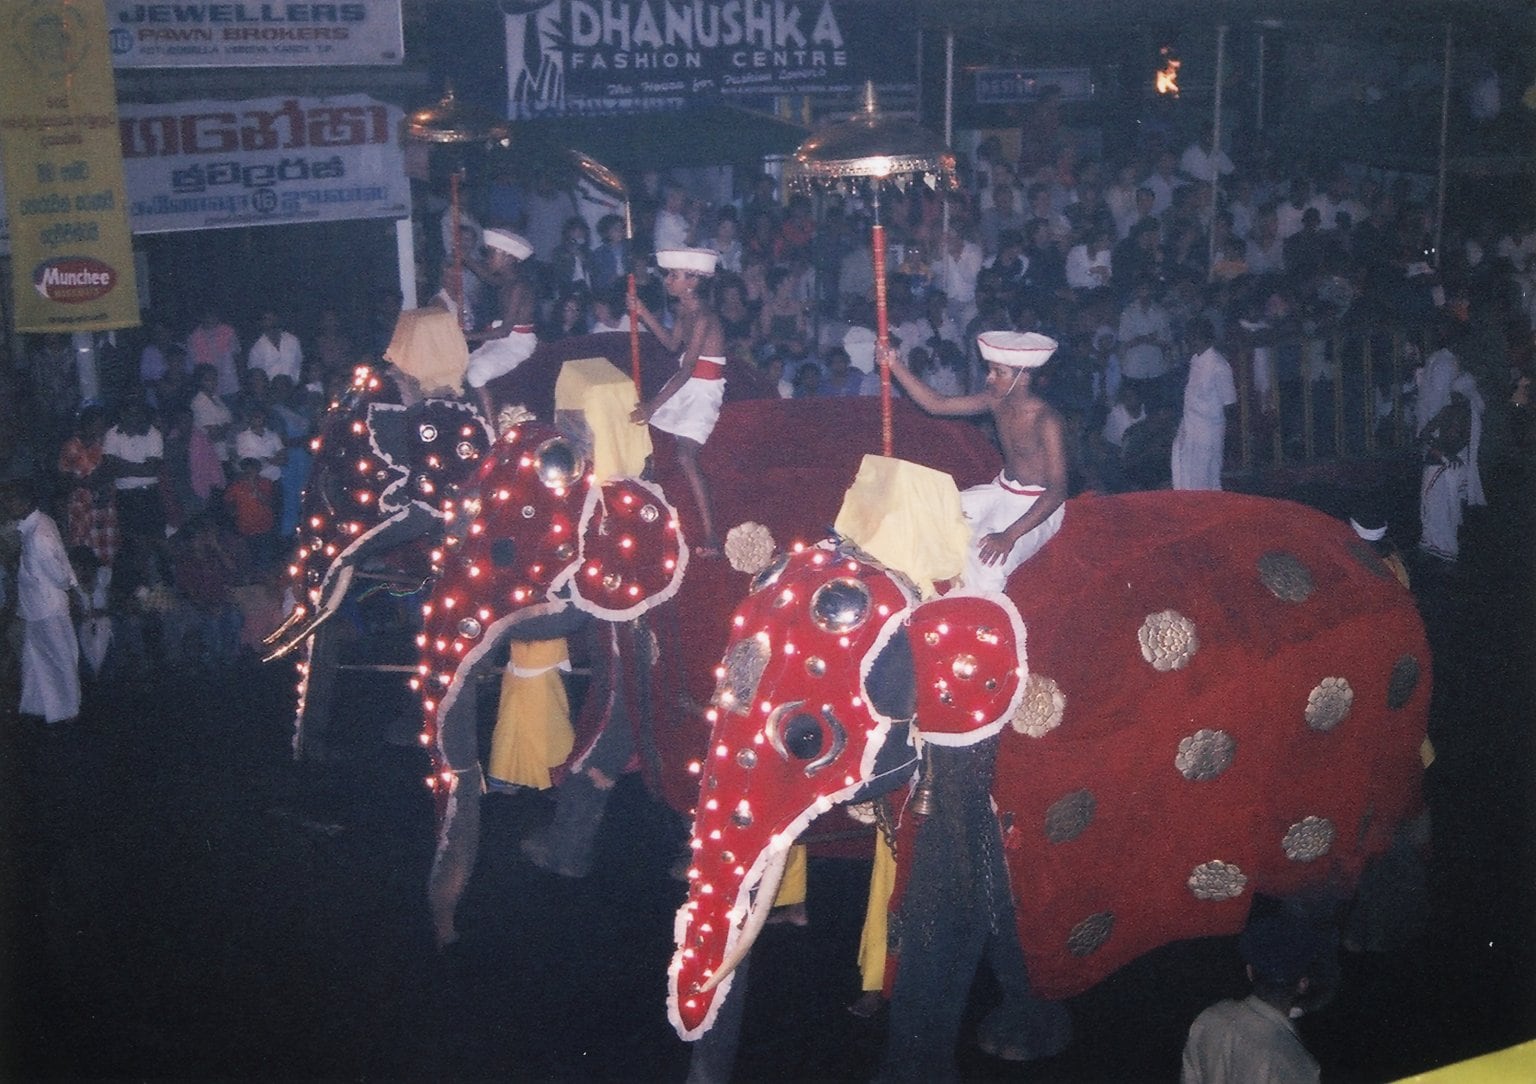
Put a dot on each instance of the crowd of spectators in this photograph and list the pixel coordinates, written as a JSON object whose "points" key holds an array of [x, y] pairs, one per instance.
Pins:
{"points": [[174, 497], [185, 485], [1114, 257]]}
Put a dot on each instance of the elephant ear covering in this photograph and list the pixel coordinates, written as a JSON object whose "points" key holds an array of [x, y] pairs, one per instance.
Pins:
{"points": [[510, 541], [1237, 696], [968, 666], [633, 554]]}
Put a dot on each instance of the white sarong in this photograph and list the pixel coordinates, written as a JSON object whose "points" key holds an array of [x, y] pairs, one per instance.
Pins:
{"points": [[50, 668], [1440, 498], [498, 357], [1198, 450], [692, 411], [995, 506]]}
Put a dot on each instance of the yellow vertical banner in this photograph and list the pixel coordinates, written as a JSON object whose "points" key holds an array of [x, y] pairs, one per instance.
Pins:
{"points": [[71, 248]]}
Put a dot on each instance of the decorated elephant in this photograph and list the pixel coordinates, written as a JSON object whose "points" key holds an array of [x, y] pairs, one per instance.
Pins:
{"points": [[388, 462], [1222, 696], [536, 546]]}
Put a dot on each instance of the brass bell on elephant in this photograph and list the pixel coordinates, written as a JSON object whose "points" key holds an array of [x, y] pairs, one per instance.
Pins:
{"points": [[922, 804]]}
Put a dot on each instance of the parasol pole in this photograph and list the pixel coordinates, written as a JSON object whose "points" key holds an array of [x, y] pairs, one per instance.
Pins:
{"points": [[882, 327], [634, 301], [452, 123], [455, 213]]}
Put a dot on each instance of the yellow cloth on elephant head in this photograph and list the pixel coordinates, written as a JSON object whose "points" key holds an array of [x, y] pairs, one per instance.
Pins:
{"points": [[908, 518], [605, 397], [429, 345], [533, 721]]}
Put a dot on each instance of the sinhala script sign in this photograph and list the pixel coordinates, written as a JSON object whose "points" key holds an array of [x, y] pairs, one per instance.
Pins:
{"points": [[221, 35], [196, 165]]}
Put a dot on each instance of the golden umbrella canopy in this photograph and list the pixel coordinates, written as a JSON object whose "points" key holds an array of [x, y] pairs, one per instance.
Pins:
{"points": [[871, 144], [870, 149], [451, 121]]}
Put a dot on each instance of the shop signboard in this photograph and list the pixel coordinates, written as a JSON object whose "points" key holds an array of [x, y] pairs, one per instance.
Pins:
{"points": [[267, 35], [72, 254], [595, 57], [200, 165], [1015, 86]]}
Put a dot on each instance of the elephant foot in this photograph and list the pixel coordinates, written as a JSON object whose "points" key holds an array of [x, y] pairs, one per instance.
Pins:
{"points": [[869, 1004], [539, 850], [791, 915], [1015, 1032]]}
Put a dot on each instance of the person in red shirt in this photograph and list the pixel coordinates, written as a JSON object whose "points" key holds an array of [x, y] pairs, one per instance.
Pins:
{"points": [[251, 501]]}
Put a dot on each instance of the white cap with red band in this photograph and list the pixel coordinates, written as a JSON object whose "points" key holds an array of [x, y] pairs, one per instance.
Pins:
{"points": [[1019, 349], [508, 242], [701, 261]]}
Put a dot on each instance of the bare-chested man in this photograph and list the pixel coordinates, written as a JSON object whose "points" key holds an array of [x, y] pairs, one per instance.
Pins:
{"points": [[507, 341], [1014, 515], [688, 405]]}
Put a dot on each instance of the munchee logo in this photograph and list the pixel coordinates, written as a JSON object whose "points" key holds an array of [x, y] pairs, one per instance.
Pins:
{"points": [[72, 280]]}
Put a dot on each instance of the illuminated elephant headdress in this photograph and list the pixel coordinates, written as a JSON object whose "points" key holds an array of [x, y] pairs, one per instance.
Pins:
{"points": [[848, 656]]}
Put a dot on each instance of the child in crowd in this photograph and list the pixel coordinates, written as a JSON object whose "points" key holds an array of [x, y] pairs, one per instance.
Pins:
{"points": [[251, 499]]}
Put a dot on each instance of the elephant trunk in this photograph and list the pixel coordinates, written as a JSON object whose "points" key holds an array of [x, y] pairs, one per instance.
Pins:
{"points": [[716, 930]]}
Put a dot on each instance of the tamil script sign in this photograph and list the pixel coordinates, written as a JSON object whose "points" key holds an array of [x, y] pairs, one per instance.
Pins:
{"points": [[222, 35], [196, 165], [1012, 86], [71, 251], [571, 57]]}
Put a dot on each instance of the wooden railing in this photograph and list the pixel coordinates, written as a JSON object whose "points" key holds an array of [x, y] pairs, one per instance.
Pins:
{"points": [[1339, 393]]}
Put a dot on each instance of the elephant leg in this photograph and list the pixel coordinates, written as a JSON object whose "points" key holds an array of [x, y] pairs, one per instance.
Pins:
{"points": [[958, 911], [945, 920], [565, 846], [458, 844], [1023, 1027], [458, 829], [318, 686]]}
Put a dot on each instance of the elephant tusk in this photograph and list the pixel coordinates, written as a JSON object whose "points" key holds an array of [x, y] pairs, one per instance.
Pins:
{"points": [[288, 647], [295, 615], [324, 611], [757, 918]]}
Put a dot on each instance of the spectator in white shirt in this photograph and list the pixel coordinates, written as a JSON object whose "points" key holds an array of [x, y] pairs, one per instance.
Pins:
{"points": [[1145, 336], [276, 351], [1200, 162], [671, 219], [957, 270], [1090, 264], [1162, 181], [209, 412], [133, 451], [257, 441]]}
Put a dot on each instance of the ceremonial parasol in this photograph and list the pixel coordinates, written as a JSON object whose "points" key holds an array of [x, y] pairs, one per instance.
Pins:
{"points": [[454, 123], [603, 177], [866, 152]]}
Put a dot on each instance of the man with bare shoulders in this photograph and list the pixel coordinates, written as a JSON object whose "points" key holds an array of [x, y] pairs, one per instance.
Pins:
{"points": [[688, 405], [1014, 515], [508, 341]]}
